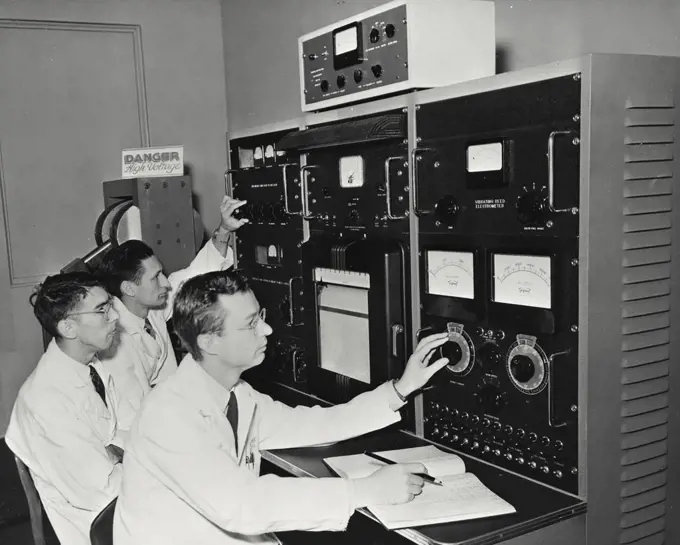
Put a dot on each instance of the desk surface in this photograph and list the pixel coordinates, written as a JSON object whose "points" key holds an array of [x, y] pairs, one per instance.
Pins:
{"points": [[537, 505]]}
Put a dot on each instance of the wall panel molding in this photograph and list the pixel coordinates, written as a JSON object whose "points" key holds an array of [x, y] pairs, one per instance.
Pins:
{"points": [[135, 34]]}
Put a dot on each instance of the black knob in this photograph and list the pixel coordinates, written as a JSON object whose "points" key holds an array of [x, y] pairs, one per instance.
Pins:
{"points": [[284, 308], [446, 210], [531, 208], [533, 437], [324, 85], [374, 35], [341, 81], [491, 400], [312, 56], [453, 351], [522, 368], [377, 70], [353, 216], [559, 445], [489, 355], [278, 212], [358, 76], [389, 30]]}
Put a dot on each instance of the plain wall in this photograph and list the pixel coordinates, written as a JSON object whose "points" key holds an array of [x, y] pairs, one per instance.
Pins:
{"points": [[184, 79], [260, 42]]}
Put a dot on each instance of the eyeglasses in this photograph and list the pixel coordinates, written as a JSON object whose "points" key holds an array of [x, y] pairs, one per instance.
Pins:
{"points": [[105, 311], [261, 317]]}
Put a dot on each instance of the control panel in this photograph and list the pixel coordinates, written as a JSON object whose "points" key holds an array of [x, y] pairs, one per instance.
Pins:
{"points": [[399, 46], [497, 190]]}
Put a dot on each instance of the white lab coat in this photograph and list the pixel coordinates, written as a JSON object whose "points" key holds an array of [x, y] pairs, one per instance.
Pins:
{"points": [[59, 428], [137, 361], [185, 483]]}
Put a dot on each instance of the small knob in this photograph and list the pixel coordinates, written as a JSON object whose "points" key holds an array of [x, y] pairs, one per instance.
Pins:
{"points": [[520, 460], [491, 400], [465, 416], [353, 216], [465, 441], [389, 30], [531, 208], [455, 438], [533, 437], [545, 469], [358, 76], [490, 355], [475, 445], [377, 70], [446, 210], [545, 441], [507, 429], [341, 81], [496, 426], [522, 368], [521, 433], [486, 448], [559, 445], [557, 473], [474, 419], [533, 464], [312, 56], [497, 452], [508, 456], [486, 422], [324, 85], [374, 35]]}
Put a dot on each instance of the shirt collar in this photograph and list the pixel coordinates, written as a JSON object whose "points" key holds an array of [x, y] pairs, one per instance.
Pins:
{"points": [[61, 365], [202, 383], [127, 320]]}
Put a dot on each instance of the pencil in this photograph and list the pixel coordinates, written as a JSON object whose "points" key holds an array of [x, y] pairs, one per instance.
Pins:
{"points": [[427, 478]]}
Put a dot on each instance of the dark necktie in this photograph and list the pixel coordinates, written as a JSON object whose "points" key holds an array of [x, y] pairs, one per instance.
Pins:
{"points": [[98, 384], [232, 416], [149, 328]]}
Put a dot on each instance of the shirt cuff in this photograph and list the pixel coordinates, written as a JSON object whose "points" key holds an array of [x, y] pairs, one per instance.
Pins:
{"points": [[394, 401], [215, 259]]}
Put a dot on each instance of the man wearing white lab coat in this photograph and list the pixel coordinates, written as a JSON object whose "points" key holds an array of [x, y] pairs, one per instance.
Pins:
{"points": [[143, 356], [63, 425], [192, 468]]}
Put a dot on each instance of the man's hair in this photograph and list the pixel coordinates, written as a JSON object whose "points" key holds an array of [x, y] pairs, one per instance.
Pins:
{"points": [[124, 263], [58, 295], [196, 310]]}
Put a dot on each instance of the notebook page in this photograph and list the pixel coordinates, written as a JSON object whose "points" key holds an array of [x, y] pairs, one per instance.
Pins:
{"points": [[437, 462], [462, 497]]}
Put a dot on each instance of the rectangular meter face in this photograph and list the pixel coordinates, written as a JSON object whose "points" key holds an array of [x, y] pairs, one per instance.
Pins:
{"points": [[451, 274], [522, 280], [346, 41]]}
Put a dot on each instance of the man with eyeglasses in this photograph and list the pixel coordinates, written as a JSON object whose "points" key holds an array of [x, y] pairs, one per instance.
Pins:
{"points": [[193, 456], [143, 355], [64, 425]]}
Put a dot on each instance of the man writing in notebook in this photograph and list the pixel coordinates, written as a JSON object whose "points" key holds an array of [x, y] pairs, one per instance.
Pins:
{"points": [[193, 456]]}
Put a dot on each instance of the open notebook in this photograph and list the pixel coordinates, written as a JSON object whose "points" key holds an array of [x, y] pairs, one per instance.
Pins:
{"points": [[462, 496]]}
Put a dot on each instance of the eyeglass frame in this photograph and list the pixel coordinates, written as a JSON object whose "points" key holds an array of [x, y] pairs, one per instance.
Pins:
{"points": [[105, 312], [260, 318]]}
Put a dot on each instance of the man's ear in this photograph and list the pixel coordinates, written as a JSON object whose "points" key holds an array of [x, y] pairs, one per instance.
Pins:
{"points": [[206, 343], [128, 288], [67, 328]]}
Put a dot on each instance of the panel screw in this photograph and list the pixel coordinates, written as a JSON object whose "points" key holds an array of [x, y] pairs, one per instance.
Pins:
{"points": [[574, 328], [549, 224], [165, 185], [574, 210], [147, 185], [576, 141], [574, 262], [576, 118], [436, 164], [577, 77], [573, 408]]}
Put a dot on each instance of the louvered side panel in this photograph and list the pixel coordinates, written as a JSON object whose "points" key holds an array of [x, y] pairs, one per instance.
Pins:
{"points": [[646, 302]]}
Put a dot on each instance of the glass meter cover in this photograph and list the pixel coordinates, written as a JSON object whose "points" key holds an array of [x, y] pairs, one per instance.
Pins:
{"points": [[346, 41], [485, 157], [352, 171], [522, 280], [451, 274]]}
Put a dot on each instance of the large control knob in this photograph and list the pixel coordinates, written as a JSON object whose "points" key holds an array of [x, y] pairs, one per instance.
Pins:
{"points": [[374, 35], [522, 368], [489, 355], [527, 365], [490, 399], [353, 216], [459, 350], [446, 210], [532, 208]]}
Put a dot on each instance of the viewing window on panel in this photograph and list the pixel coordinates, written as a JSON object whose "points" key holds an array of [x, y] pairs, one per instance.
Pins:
{"points": [[522, 280], [343, 331]]}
